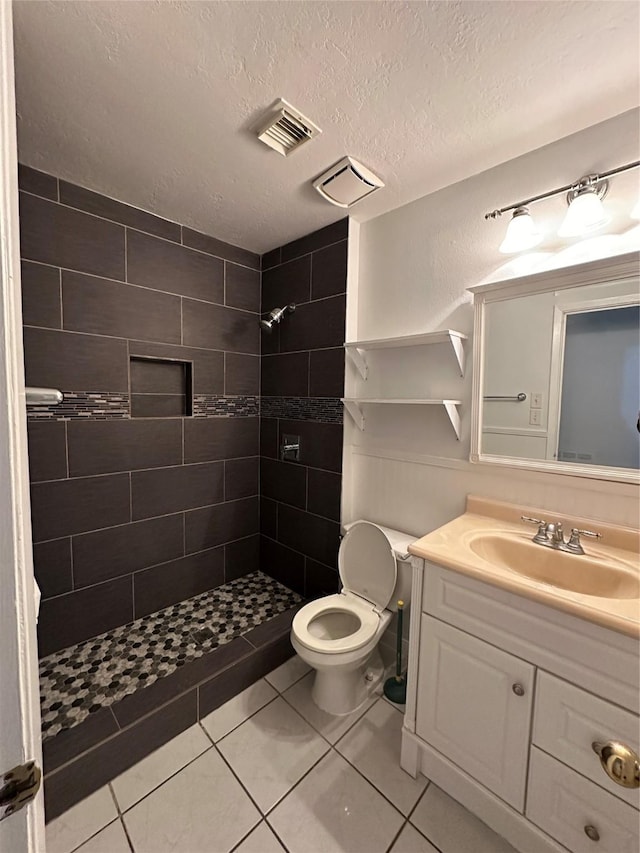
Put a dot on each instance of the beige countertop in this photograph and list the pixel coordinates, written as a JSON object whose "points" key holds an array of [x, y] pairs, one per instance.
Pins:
{"points": [[620, 546]]}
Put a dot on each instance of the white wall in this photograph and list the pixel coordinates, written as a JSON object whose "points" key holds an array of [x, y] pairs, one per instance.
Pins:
{"points": [[407, 470]]}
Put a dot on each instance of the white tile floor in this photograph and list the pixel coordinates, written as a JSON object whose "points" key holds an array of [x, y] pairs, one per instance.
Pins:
{"points": [[269, 773]]}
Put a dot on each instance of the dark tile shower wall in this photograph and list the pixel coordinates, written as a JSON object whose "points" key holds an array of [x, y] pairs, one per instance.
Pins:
{"points": [[131, 515], [302, 382]]}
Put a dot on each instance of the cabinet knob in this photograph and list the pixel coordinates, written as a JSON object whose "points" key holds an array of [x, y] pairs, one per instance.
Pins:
{"points": [[620, 763], [591, 832], [518, 689]]}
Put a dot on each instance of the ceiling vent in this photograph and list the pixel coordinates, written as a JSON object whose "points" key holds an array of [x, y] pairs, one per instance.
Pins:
{"points": [[285, 128], [347, 182]]}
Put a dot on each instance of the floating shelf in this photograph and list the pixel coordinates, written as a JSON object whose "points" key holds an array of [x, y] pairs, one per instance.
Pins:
{"points": [[354, 406], [356, 349]]}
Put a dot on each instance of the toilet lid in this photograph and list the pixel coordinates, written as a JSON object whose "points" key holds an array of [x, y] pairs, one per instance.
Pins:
{"points": [[367, 564]]}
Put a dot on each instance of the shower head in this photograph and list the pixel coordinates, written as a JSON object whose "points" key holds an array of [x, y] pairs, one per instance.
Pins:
{"points": [[275, 316]]}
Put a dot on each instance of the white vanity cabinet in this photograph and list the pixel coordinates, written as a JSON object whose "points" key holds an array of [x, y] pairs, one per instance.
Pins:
{"points": [[506, 697], [476, 707]]}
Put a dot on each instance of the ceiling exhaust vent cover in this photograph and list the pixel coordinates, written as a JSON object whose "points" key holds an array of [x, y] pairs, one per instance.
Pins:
{"points": [[286, 129], [347, 182]]}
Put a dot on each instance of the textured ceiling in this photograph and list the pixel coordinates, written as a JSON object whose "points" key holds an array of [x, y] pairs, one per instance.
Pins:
{"points": [[153, 103]]}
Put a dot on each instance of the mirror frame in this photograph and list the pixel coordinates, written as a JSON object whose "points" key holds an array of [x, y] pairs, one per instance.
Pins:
{"points": [[600, 271]]}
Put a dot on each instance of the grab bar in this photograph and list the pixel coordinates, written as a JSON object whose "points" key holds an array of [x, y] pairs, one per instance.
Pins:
{"points": [[43, 396], [520, 398]]}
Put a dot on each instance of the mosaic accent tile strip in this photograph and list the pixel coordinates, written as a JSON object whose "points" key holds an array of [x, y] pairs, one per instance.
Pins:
{"points": [[230, 407], [82, 679], [327, 409], [81, 405]]}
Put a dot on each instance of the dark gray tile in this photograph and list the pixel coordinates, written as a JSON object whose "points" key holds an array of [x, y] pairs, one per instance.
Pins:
{"points": [[221, 688], [105, 554], [207, 370], [47, 450], [242, 374], [317, 239], [326, 373], [100, 205], [285, 375], [220, 438], [158, 406], [76, 616], [242, 287], [320, 579], [166, 490], [316, 325], [268, 518], [41, 304], [329, 271], [216, 525], [52, 566], [163, 585], [63, 507], [240, 478], [272, 629], [174, 269], [283, 564], [68, 744], [315, 537], [269, 437], [271, 259], [324, 492], [320, 443], [208, 244], [58, 235], [73, 362], [241, 557], [140, 703], [151, 376], [100, 765], [103, 307], [283, 481], [102, 447], [38, 183], [287, 283], [217, 327], [270, 341], [157, 377]]}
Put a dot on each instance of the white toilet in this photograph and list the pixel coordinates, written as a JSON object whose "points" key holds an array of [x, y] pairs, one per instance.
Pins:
{"points": [[338, 635]]}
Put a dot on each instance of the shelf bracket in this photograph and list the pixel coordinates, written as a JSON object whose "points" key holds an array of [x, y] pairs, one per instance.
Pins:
{"points": [[458, 351], [454, 417], [359, 360], [356, 413]]}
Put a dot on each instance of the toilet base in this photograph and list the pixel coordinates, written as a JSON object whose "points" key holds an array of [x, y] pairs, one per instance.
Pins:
{"points": [[341, 691]]}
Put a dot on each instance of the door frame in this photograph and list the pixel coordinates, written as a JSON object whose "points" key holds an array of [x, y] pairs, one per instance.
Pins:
{"points": [[20, 737], [556, 373]]}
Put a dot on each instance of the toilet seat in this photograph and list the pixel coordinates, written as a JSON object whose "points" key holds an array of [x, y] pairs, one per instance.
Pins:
{"points": [[342, 602]]}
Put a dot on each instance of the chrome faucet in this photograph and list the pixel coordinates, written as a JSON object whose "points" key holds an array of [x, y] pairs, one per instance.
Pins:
{"points": [[551, 535]]}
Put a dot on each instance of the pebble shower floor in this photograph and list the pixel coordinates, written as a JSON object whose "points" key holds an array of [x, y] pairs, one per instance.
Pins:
{"points": [[94, 674]]}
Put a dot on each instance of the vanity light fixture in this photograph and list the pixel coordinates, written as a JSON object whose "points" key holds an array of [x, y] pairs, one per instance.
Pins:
{"points": [[522, 233], [585, 214]]}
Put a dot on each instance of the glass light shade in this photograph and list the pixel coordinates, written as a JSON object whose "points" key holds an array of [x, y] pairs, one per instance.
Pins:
{"points": [[522, 233], [635, 213], [585, 214]]}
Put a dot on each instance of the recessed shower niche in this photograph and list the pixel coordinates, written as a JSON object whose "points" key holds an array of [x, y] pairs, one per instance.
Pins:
{"points": [[160, 388]]}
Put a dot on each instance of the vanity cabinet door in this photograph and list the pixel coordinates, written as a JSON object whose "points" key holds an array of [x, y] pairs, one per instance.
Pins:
{"points": [[474, 706]]}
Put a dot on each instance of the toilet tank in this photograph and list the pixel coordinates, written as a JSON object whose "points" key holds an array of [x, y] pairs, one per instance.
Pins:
{"points": [[400, 542]]}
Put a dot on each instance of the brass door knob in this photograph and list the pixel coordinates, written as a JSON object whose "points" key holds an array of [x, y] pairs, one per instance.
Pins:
{"points": [[620, 762], [592, 832]]}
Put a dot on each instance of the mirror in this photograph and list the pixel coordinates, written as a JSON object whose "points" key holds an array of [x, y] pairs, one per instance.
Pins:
{"points": [[557, 370]]}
